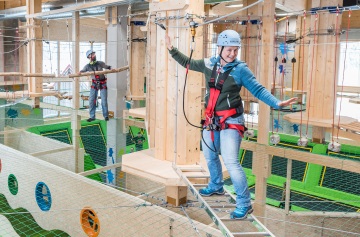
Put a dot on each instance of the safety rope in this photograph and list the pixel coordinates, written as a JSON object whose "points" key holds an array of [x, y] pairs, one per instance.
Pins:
{"points": [[302, 67], [283, 61], [274, 78], [335, 75], [311, 75], [343, 73], [248, 61]]}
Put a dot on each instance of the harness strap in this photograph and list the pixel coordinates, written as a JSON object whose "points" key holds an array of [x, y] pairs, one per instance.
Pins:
{"points": [[240, 128], [226, 113]]}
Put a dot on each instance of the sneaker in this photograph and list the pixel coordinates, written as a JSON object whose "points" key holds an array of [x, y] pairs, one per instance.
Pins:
{"points": [[90, 119], [106, 118], [208, 192], [241, 213]]}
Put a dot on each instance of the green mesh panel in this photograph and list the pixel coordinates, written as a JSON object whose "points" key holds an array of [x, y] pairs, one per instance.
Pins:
{"points": [[59, 135], [279, 167], [306, 201], [246, 160], [94, 143], [340, 180]]}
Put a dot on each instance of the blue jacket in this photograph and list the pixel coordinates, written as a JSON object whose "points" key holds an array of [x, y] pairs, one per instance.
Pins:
{"points": [[239, 76]]}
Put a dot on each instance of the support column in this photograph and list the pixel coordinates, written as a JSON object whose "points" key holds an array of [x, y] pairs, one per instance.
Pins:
{"points": [[35, 51], [76, 119], [261, 160], [174, 138], [117, 86]]}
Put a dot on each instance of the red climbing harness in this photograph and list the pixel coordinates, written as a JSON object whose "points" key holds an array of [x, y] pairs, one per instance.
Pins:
{"points": [[210, 123]]}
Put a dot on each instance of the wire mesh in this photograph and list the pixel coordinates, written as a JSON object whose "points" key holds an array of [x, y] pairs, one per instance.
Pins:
{"points": [[39, 196]]}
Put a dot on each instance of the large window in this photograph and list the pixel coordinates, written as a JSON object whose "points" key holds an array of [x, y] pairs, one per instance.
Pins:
{"points": [[349, 76], [57, 58]]}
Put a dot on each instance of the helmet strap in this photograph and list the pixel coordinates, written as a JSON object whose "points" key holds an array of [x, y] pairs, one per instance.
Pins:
{"points": [[222, 48]]}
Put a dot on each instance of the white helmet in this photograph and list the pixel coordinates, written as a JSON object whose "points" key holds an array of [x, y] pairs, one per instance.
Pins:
{"points": [[229, 38], [90, 51]]}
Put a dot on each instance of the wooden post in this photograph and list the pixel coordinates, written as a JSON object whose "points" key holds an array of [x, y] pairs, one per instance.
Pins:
{"points": [[34, 53], [76, 119], [262, 161]]}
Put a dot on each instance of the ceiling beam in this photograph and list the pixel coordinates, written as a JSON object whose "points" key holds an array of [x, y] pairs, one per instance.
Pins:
{"points": [[291, 5], [80, 7]]}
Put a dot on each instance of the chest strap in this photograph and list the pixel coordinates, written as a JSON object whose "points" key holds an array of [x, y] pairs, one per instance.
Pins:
{"points": [[215, 90]]}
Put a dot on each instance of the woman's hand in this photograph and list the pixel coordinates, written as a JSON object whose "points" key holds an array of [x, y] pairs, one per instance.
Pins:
{"points": [[168, 42], [288, 102]]}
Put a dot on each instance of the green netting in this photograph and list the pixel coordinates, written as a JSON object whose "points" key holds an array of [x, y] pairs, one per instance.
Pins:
{"points": [[305, 201], [94, 143], [279, 167], [246, 159], [340, 180], [24, 223], [59, 135]]}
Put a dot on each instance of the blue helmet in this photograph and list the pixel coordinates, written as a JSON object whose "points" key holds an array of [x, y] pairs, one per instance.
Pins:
{"points": [[229, 38], [89, 52]]}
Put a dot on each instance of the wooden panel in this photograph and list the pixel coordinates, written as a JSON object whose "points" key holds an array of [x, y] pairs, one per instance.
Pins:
{"points": [[151, 83], [137, 62], [171, 96], [354, 21], [189, 148], [161, 86]]}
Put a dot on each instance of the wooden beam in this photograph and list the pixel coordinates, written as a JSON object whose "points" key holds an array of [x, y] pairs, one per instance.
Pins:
{"points": [[52, 151], [99, 170], [288, 153], [79, 7], [99, 72]]}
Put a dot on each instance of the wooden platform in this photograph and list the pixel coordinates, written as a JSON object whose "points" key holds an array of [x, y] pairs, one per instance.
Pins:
{"points": [[138, 112], [323, 123], [144, 164]]}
